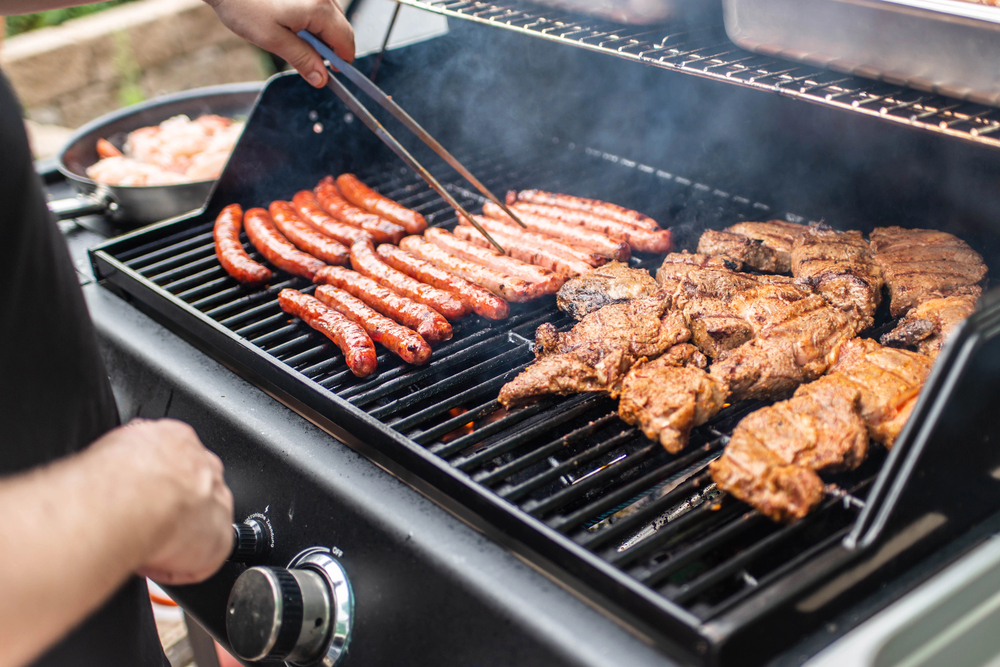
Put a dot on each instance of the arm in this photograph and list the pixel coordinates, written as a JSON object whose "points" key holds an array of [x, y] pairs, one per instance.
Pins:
{"points": [[270, 24], [146, 498]]}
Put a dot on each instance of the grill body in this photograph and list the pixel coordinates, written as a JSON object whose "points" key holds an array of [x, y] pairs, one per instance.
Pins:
{"points": [[565, 483]]}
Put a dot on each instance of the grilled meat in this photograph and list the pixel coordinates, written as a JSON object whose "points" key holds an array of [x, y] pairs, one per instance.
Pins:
{"points": [[774, 453], [614, 282], [841, 267], [765, 246], [670, 395], [797, 349], [927, 326], [888, 382], [598, 351], [923, 264]]}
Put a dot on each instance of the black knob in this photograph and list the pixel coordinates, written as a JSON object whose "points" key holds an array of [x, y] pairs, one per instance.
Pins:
{"points": [[251, 542], [278, 614]]}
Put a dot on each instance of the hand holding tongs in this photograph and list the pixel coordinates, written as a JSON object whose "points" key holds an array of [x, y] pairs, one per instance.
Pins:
{"points": [[370, 121]]}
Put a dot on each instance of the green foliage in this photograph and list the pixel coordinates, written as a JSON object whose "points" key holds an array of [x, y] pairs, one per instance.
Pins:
{"points": [[26, 22], [129, 72]]}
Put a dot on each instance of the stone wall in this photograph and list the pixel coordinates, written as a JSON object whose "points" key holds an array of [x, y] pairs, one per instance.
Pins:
{"points": [[72, 73]]}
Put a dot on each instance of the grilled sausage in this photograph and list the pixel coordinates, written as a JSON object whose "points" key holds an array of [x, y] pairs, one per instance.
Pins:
{"points": [[595, 206], [574, 234], [367, 263], [540, 241], [228, 248], [309, 210], [491, 259], [358, 349], [507, 287], [276, 248], [305, 237], [401, 341], [524, 250], [329, 197], [483, 302], [427, 322], [361, 195], [642, 240]]}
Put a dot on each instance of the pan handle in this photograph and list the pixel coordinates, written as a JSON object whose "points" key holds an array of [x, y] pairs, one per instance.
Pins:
{"points": [[97, 202]]}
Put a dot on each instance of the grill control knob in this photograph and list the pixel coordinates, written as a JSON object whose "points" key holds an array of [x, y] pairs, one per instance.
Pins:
{"points": [[301, 615], [251, 541]]}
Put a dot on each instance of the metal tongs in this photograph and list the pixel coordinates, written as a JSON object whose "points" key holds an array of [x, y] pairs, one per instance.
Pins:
{"points": [[372, 124]]}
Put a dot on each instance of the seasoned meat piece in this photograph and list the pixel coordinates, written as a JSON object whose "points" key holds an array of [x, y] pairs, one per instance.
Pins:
{"points": [[614, 282], [776, 238], [782, 356], [923, 264], [598, 351], [677, 265], [670, 395], [888, 382], [927, 326], [751, 252], [774, 453], [840, 266]]}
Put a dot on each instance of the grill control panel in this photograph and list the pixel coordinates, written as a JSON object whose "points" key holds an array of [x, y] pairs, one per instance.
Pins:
{"points": [[301, 614]]}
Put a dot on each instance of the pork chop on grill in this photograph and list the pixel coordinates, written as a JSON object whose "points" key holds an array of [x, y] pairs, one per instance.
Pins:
{"points": [[670, 395], [924, 264], [841, 267], [765, 246], [614, 282], [772, 459], [598, 351], [928, 325]]}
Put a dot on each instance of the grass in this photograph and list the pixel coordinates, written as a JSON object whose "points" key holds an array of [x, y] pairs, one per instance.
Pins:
{"points": [[26, 22]]}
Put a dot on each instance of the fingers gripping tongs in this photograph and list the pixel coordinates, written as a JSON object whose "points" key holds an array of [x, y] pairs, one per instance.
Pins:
{"points": [[372, 124]]}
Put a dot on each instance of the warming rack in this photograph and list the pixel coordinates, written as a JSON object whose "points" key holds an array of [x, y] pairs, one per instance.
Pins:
{"points": [[707, 52]]}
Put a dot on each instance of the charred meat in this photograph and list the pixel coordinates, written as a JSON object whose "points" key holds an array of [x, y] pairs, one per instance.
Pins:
{"points": [[614, 282], [926, 327], [598, 351], [774, 454], [841, 267], [924, 264], [765, 246], [670, 395]]}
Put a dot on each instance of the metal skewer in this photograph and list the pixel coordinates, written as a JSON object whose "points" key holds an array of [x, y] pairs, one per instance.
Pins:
{"points": [[373, 91], [334, 84]]}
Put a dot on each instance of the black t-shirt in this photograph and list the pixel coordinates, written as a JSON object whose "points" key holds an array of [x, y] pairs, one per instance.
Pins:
{"points": [[55, 396]]}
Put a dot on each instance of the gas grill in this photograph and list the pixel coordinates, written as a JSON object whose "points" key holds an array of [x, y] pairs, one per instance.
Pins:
{"points": [[640, 534]]}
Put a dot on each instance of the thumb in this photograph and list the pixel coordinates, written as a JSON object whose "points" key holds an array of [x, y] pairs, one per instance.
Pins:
{"points": [[299, 54]]}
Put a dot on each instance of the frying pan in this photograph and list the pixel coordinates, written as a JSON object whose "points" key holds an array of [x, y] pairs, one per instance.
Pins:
{"points": [[134, 206]]}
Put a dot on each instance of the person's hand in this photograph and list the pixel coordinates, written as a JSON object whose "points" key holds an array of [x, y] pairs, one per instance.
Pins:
{"points": [[272, 24], [185, 500]]}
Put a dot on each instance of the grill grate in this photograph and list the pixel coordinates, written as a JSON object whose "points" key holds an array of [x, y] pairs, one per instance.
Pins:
{"points": [[708, 53], [568, 462]]}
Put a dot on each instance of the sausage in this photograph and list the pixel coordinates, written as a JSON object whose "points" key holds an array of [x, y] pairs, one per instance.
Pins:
{"points": [[329, 197], [358, 348], [107, 149], [483, 302], [305, 237], [524, 250], [596, 206], [427, 322], [309, 210], [276, 248], [361, 195], [367, 263], [540, 241], [401, 341], [563, 231], [491, 259], [642, 240], [228, 248], [507, 287]]}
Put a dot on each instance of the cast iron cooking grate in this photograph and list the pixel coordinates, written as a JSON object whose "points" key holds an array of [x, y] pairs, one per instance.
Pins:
{"points": [[569, 462], [707, 52]]}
